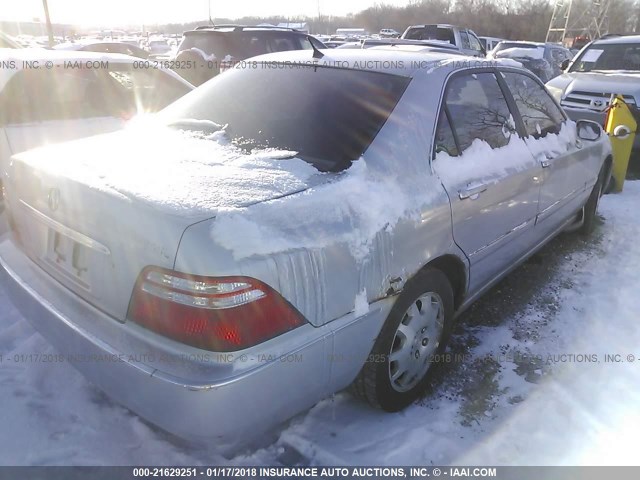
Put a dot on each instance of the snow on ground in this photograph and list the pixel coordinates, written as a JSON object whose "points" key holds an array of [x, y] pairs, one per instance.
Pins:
{"points": [[527, 381]]}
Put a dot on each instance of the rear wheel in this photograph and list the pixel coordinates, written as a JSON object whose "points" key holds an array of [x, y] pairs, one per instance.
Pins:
{"points": [[416, 330]]}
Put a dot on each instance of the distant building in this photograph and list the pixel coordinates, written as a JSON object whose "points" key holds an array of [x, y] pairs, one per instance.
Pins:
{"points": [[302, 27]]}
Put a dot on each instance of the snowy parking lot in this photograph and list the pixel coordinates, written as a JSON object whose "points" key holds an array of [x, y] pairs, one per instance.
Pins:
{"points": [[542, 371]]}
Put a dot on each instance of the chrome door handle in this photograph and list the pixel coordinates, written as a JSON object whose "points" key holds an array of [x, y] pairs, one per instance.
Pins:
{"points": [[472, 191]]}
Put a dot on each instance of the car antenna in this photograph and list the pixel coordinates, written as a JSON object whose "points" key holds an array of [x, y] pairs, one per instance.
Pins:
{"points": [[316, 53]]}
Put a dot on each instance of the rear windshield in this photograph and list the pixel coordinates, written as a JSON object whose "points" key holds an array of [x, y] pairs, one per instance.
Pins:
{"points": [[328, 116], [241, 45], [623, 56], [431, 32]]}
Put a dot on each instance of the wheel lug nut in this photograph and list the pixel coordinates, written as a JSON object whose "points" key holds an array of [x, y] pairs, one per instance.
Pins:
{"points": [[424, 329], [425, 341]]}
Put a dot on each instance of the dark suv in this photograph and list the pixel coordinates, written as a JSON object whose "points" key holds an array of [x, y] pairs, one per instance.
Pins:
{"points": [[220, 46]]}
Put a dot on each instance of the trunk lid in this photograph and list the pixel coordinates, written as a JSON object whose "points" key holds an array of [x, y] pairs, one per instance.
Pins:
{"points": [[94, 212]]}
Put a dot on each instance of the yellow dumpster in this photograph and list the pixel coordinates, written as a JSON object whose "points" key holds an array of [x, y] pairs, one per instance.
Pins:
{"points": [[621, 126]]}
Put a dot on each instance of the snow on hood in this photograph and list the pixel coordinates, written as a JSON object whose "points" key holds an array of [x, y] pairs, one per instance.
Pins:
{"points": [[182, 172], [480, 161], [351, 209], [536, 53]]}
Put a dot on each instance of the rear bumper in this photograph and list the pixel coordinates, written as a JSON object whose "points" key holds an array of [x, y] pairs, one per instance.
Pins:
{"points": [[227, 400]]}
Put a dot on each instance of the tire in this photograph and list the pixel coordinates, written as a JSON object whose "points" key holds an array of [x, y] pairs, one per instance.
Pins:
{"points": [[610, 186], [397, 370], [590, 208]]}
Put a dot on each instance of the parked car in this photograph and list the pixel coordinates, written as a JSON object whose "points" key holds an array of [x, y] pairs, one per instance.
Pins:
{"points": [[78, 95], [543, 59], [104, 47], [213, 49], [389, 33], [463, 39], [253, 250], [489, 43], [158, 47], [602, 68]]}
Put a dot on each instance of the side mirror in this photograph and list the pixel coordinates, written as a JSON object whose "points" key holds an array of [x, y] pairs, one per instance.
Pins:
{"points": [[588, 130], [565, 64]]}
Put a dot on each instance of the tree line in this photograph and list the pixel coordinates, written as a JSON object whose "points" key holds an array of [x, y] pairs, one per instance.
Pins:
{"points": [[511, 19]]}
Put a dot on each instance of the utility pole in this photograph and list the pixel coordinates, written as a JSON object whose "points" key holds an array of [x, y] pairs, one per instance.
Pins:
{"points": [[48, 20]]}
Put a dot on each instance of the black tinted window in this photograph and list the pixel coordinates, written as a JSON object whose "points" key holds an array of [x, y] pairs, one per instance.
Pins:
{"points": [[478, 110], [329, 116], [211, 43], [431, 32], [539, 112], [241, 45], [445, 141]]}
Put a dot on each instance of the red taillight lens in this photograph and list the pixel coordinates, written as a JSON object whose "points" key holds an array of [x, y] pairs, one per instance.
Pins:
{"points": [[221, 314]]}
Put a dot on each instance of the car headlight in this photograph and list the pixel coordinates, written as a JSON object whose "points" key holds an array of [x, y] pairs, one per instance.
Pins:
{"points": [[555, 92]]}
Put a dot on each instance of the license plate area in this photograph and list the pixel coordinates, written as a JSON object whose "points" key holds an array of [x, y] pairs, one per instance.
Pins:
{"points": [[68, 258]]}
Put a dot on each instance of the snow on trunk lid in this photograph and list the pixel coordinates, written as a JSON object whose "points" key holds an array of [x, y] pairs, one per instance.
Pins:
{"points": [[93, 213]]}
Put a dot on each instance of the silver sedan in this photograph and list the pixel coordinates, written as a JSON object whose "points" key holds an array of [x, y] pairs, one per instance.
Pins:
{"points": [[302, 223]]}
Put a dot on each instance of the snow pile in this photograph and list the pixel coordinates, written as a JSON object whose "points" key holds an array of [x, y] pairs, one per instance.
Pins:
{"points": [[481, 162], [351, 209], [361, 304], [182, 172]]}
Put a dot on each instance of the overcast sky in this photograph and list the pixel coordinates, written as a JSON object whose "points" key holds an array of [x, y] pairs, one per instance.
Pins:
{"points": [[119, 12]]}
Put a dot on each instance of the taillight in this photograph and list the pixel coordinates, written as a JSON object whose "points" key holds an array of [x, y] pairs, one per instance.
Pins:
{"points": [[221, 314]]}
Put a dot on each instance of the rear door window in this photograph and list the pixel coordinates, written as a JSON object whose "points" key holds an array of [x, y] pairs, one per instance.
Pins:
{"points": [[474, 42], [539, 112], [478, 110]]}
